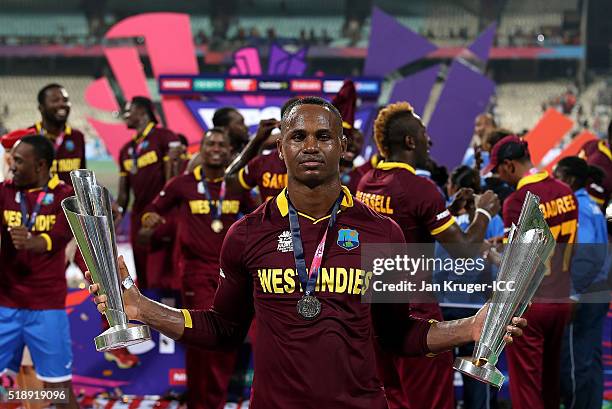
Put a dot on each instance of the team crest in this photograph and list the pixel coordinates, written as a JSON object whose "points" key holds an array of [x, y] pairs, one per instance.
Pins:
{"points": [[285, 244], [144, 145], [348, 239], [48, 199], [70, 145]]}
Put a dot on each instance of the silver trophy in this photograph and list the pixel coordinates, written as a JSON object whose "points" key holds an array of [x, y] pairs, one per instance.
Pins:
{"points": [[90, 217], [530, 244]]}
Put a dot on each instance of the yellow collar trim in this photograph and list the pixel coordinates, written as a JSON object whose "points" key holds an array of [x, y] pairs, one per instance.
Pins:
{"points": [[536, 177], [147, 131], [197, 172], [67, 128], [374, 160], [395, 165], [346, 125], [52, 184], [604, 149], [283, 204]]}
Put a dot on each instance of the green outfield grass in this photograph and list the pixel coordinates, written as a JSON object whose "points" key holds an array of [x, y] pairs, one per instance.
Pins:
{"points": [[107, 173]]}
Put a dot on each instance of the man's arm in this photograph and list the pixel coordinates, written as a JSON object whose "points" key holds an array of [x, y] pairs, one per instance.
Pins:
{"points": [[225, 324], [250, 151]]}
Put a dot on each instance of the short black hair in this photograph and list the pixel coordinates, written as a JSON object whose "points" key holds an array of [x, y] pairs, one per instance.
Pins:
{"points": [[43, 91], [216, 129], [467, 177], [497, 135], [580, 170], [147, 104], [222, 116], [294, 102], [43, 148]]}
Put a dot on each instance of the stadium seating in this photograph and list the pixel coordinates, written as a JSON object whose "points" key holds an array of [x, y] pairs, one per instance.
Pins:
{"points": [[43, 25]]}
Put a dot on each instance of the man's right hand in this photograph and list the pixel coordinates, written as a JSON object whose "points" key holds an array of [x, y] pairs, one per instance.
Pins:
{"points": [[265, 129], [489, 202], [151, 220], [131, 297]]}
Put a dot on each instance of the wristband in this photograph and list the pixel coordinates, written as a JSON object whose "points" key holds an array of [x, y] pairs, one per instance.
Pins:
{"points": [[483, 211]]}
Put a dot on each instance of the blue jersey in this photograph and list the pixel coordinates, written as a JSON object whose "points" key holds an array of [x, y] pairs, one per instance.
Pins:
{"points": [[590, 263]]}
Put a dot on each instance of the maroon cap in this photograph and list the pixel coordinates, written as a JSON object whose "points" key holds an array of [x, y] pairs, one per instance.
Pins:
{"points": [[346, 102], [509, 147]]}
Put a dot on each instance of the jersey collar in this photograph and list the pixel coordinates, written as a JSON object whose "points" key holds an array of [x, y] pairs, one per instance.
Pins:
{"points": [[603, 148], [52, 184], [395, 165], [197, 172], [532, 178], [39, 128], [283, 204]]}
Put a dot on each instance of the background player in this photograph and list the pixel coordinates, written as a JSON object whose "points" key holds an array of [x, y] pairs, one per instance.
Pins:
{"points": [[205, 213], [54, 106], [32, 266], [534, 360], [414, 202]]}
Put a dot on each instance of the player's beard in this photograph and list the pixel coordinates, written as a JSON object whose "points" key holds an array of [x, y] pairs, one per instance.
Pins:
{"points": [[51, 119]]}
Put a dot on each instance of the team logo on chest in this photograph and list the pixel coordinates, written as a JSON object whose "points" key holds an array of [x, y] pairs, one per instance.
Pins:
{"points": [[284, 242], [348, 239], [70, 146], [48, 199]]}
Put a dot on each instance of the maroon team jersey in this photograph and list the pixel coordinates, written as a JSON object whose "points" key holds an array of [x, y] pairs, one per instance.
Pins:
{"points": [[32, 280], [200, 246], [597, 153], [69, 151], [267, 172], [147, 179], [414, 202], [328, 362], [560, 209]]}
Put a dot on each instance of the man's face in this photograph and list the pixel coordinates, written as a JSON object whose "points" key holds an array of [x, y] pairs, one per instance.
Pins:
{"points": [[25, 166], [56, 105], [422, 143], [353, 149], [312, 144], [236, 127], [507, 172], [482, 125], [215, 150], [132, 115]]}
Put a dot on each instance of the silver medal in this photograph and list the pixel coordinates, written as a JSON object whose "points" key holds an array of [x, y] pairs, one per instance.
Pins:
{"points": [[309, 307]]}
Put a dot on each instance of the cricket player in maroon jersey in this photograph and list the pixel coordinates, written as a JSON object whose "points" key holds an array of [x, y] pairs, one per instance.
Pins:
{"points": [[534, 360], [597, 153], [393, 189], [34, 234], [142, 163], [54, 106], [206, 211], [251, 169], [314, 334]]}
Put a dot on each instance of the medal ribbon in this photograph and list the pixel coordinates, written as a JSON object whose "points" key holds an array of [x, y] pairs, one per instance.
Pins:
{"points": [[28, 221], [309, 279], [137, 144], [215, 211]]}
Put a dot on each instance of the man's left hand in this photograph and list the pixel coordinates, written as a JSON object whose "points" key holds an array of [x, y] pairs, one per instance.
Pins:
{"points": [[512, 331]]}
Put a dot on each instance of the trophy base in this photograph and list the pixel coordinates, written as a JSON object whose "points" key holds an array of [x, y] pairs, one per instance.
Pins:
{"points": [[121, 336], [486, 373]]}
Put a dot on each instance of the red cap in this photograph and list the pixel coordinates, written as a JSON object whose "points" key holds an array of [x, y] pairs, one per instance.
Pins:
{"points": [[346, 102], [9, 139], [509, 147]]}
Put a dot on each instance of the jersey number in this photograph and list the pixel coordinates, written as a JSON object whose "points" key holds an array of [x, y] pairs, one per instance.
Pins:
{"points": [[567, 228]]}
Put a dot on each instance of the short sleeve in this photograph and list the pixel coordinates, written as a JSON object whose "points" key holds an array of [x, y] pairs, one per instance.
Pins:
{"points": [[122, 157], [433, 210], [250, 174]]}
